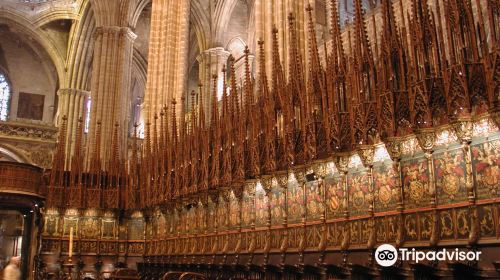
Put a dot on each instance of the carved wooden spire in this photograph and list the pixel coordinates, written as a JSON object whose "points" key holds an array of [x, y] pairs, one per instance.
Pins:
{"points": [[176, 154], [182, 179], [394, 114], [133, 175], [112, 185], [114, 160], [235, 102], [427, 92], [93, 196], [146, 163], [204, 147], [283, 106], [160, 158], [195, 145], [319, 124], [167, 158], [77, 159], [364, 116], [156, 162], [252, 156], [76, 172], [339, 104], [59, 156], [466, 89], [55, 192], [268, 122], [95, 162], [214, 138], [226, 130], [238, 137], [297, 89]]}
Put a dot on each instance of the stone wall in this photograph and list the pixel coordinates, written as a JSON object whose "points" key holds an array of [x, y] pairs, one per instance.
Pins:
{"points": [[29, 70]]}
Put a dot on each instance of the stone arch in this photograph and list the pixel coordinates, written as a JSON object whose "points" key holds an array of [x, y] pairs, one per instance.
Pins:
{"points": [[80, 50], [136, 14], [53, 15], [21, 24], [200, 24], [222, 16], [236, 46], [11, 153]]}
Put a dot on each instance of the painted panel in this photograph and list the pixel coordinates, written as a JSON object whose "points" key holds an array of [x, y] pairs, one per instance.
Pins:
{"points": [[415, 182]]}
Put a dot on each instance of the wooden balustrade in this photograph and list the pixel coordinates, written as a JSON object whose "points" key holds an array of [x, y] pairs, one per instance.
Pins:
{"points": [[22, 179]]}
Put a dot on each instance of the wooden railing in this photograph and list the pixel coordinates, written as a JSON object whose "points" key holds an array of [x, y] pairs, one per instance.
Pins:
{"points": [[22, 179]]}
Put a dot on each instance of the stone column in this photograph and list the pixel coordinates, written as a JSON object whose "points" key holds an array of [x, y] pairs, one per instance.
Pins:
{"points": [[211, 62], [111, 73], [168, 50], [274, 13], [72, 104]]}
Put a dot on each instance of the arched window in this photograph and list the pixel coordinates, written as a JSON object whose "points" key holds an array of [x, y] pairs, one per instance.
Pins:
{"points": [[4, 97], [87, 115]]}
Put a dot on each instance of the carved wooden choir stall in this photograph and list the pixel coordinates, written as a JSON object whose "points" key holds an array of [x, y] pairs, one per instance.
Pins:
{"points": [[390, 138]]}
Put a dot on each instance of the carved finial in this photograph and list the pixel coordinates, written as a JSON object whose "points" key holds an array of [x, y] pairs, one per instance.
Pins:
{"points": [[77, 160]]}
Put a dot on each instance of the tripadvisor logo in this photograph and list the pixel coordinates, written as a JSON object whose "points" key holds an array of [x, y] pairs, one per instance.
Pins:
{"points": [[387, 255]]}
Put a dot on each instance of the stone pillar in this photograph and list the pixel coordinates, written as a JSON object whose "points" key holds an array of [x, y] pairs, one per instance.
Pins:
{"points": [[72, 104], [168, 50], [274, 13], [111, 73], [211, 62]]}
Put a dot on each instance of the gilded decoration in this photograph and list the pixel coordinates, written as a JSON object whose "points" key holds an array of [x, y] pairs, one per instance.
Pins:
{"points": [[462, 222], [358, 191], [277, 201], [416, 182], [314, 201], [89, 228], [446, 225], [411, 224], [51, 225], [386, 186], [295, 203], [487, 214], [486, 163], [135, 229], [335, 195], [69, 222], [450, 175], [247, 208]]}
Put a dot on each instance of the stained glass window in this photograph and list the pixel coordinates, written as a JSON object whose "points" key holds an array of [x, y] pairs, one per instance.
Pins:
{"points": [[4, 97], [87, 115]]}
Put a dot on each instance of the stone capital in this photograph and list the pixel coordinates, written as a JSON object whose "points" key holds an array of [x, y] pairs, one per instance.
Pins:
{"points": [[217, 56], [72, 91], [115, 30]]}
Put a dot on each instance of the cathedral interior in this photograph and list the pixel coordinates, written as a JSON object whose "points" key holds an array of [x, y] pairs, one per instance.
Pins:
{"points": [[249, 139]]}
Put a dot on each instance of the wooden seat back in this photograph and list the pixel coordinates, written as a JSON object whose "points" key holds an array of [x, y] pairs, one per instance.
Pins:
{"points": [[125, 274]]}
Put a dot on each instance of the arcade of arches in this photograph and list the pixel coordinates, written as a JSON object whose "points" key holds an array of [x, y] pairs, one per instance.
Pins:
{"points": [[249, 139]]}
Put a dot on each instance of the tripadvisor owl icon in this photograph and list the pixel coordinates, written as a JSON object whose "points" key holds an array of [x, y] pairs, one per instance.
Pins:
{"points": [[386, 255]]}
